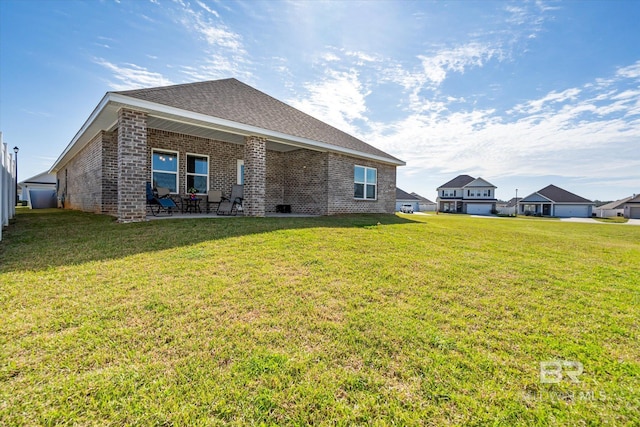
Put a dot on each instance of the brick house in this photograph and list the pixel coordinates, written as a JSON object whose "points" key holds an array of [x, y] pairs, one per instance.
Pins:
{"points": [[209, 136]]}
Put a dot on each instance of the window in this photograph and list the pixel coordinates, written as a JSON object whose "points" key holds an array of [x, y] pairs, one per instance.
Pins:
{"points": [[449, 193], [198, 173], [164, 169], [365, 182], [240, 172]]}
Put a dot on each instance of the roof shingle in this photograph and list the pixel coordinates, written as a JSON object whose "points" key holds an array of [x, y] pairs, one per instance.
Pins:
{"points": [[559, 195], [458, 182], [233, 100]]}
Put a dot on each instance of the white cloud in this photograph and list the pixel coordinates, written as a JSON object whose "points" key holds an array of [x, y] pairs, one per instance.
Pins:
{"points": [[559, 134], [208, 9], [217, 67], [630, 72], [132, 76], [338, 99], [215, 34], [537, 105]]}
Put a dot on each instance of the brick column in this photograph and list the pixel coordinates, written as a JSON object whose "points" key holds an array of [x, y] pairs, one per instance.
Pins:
{"points": [[132, 166], [255, 175]]}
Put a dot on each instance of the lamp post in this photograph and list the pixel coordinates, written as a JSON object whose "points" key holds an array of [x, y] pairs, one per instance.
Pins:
{"points": [[15, 150], [516, 202]]}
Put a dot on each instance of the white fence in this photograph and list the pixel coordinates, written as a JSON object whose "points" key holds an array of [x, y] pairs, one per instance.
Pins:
{"points": [[507, 210], [7, 186]]}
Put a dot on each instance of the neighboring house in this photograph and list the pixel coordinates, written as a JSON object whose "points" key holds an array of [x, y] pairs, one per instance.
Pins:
{"points": [[555, 201], [632, 207], [404, 198], [39, 191], [426, 205], [465, 194], [211, 135], [611, 209]]}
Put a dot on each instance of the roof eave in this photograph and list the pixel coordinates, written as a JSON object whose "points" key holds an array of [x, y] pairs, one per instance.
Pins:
{"points": [[85, 127]]}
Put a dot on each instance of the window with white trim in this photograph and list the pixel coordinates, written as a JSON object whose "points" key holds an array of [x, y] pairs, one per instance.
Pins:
{"points": [[164, 169], [198, 173], [448, 193], [365, 183]]}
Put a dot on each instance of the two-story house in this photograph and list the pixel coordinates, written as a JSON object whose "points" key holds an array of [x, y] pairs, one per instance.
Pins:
{"points": [[466, 194]]}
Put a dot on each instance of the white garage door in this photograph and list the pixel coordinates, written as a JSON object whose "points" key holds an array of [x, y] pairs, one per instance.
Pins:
{"points": [[634, 213], [566, 211], [479, 209]]}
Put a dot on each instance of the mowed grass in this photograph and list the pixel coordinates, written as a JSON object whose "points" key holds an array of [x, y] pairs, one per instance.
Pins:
{"points": [[349, 320]]}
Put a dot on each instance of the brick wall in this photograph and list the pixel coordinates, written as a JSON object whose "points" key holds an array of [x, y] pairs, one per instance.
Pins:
{"points": [[276, 170], [305, 181], [132, 165], [223, 157], [255, 175], [109, 173], [311, 182], [81, 178], [340, 178]]}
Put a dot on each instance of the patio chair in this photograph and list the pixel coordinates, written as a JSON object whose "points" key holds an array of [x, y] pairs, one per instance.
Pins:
{"points": [[214, 198], [233, 203], [155, 203]]}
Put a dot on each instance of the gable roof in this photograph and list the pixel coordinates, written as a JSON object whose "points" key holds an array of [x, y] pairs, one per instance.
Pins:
{"points": [[41, 178], [559, 195], [635, 199], [233, 100], [479, 182], [423, 199], [222, 109], [403, 195], [618, 204], [458, 182]]}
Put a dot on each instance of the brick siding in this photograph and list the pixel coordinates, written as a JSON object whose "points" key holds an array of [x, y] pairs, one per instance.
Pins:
{"points": [[340, 176], [82, 187], [305, 188], [255, 175], [311, 182], [132, 165]]}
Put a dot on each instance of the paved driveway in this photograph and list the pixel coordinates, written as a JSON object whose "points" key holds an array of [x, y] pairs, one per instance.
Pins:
{"points": [[593, 221]]}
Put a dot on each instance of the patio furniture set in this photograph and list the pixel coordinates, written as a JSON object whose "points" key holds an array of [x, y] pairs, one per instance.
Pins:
{"points": [[160, 199]]}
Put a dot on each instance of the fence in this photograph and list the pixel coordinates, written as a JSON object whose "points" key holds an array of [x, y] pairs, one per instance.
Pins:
{"points": [[7, 185]]}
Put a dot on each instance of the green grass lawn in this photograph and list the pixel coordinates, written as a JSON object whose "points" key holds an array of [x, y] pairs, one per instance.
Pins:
{"points": [[351, 320]]}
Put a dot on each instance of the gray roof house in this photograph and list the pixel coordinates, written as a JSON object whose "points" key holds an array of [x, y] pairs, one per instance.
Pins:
{"points": [[466, 194], [611, 209], [39, 191], [209, 136], [555, 201], [404, 198], [632, 207]]}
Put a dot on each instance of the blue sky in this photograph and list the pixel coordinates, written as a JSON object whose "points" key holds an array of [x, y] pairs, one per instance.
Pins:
{"points": [[523, 94]]}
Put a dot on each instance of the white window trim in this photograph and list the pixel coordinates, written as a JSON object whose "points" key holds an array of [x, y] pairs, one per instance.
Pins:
{"points": [[186, 169], [239, 163], [366, 183], [177, 173]]}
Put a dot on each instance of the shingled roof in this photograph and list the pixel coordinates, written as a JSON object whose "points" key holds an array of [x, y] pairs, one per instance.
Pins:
{"points": [[559, 195], [458, 182], [232, 100], [403, 195]]}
